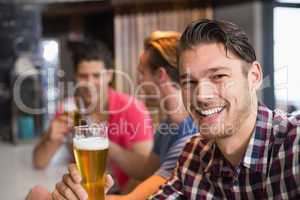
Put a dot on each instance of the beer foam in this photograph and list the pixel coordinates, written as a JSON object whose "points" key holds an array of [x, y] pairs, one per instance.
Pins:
{"points": [[92, 143]]}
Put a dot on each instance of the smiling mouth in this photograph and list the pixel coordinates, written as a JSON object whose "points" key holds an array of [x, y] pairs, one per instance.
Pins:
{"points": [[209, 112]]}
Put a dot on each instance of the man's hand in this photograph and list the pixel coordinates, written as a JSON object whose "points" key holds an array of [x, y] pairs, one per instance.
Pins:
{"points": [[43, 153], [70, 189], [39, 193], [60, 126]]}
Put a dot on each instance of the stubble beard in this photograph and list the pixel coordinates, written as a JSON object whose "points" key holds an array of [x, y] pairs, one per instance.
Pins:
{"points": [[223, 129]]}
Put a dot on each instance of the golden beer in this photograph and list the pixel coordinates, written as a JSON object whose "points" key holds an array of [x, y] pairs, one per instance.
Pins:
{"points": [[76, 116], [90, 154]]}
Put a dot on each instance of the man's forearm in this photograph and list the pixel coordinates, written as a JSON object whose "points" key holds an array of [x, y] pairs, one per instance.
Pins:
{"points": [[146, 188], [131, 162], [143, 191], [44, 151]]}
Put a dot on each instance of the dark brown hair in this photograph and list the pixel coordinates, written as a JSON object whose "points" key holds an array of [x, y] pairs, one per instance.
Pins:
{"points": [[230, 35], [91, 51]]}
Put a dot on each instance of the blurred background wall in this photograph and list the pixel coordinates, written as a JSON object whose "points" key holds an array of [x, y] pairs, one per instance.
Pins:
{"points": [[37, 36]]}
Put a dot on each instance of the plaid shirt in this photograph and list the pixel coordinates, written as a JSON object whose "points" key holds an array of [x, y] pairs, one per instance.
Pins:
{"points": [[269, 169]]}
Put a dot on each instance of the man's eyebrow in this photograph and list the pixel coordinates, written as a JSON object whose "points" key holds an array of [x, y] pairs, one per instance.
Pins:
{"points": [[185, 75], [210, 70], [81, 74], [218, 68]]}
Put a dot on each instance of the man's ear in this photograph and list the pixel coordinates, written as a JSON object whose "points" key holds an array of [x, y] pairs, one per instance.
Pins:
{"points": [[109, 75], [162, 75], [255, 76]]}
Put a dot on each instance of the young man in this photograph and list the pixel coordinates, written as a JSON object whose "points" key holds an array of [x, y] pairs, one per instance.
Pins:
{"points": [[157, 68], [129, 124], [245, 150]]}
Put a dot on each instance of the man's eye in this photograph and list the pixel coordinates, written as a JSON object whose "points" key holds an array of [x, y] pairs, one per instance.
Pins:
{"points": [[219, 76], [188, 83], [96, 75], [82, 76]]}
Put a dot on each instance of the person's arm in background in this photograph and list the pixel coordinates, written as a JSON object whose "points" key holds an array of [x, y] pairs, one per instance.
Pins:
{"points": [[51, 141], [143, 190], [38, 193], [170, 160], [166, 169], [172, 189], [152, 184], [139, 163]]}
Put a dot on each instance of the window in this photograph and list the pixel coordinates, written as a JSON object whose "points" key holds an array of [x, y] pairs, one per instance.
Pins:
{"points": [[286, 57], [288, 1]]}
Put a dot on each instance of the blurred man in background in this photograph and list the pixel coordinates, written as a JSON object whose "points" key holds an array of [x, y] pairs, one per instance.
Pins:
{"points": [[129, 124]]}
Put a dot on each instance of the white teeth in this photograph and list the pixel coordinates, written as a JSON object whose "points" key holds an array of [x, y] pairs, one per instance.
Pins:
{"points": [[211, 111]]}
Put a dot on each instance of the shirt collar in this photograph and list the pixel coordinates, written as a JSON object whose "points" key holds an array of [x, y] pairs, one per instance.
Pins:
{"points": [[256, 156], [218, 166]]}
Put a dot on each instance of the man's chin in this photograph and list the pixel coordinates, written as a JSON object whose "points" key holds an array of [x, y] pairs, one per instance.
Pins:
{"points": [[90, 105], [214, 136], [215, 131]]}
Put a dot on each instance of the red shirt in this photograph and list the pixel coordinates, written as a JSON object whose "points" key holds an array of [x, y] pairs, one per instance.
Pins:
{"points": [[129, 122]]}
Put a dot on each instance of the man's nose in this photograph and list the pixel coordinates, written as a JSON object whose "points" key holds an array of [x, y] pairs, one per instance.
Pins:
{"points": [[89, 79], [206, 91]]}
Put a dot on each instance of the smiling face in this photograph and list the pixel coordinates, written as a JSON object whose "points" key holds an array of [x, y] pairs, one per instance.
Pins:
{"points": [[93, 80], [216, 91]]}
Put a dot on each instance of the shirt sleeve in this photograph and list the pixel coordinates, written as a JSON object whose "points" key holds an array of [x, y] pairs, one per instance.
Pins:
{"points": [[172, 190], [157, 143], [59, 110], [139, 125], [167, 167]]}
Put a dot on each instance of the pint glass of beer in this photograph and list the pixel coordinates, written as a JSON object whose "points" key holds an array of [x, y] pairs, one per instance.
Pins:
{"points": [[90, 148]]}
